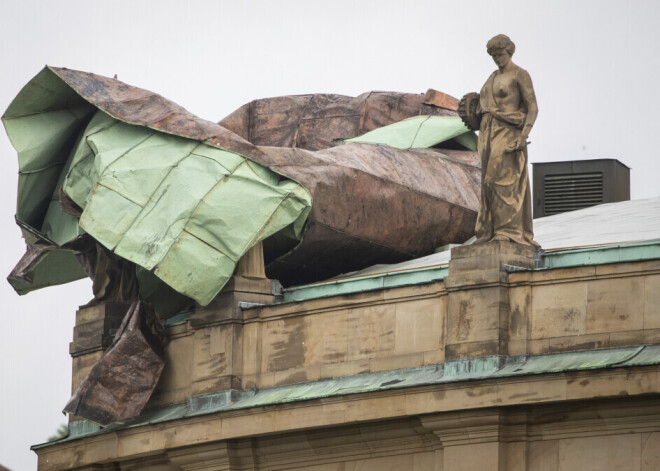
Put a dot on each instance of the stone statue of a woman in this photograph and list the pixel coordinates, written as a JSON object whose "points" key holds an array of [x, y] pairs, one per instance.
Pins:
{"points": [[504, 112]]}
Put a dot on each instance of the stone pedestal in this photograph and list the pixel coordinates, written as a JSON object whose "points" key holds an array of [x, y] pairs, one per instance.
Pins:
{"points": [[249, 285], [478, 307], [216, 334]]}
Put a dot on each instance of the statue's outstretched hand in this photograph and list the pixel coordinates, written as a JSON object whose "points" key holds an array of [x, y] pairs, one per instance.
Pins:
{"points": [[518, 144]]}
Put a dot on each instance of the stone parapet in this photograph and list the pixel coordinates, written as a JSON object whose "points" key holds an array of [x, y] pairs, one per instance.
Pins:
{"points": [[528, 312], [242, 342]]}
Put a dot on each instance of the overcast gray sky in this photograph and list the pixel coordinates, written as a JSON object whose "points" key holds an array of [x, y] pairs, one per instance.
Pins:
{"points": [[594, 65]]}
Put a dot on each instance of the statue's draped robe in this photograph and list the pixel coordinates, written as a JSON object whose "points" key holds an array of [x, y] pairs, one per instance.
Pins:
{"points": [[506, 209]]}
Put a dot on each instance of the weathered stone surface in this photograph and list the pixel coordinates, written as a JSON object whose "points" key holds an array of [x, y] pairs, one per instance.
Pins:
{"points": [[492, 255], [541, 423], [605, 452], [615, 304], [96, 326], [514, 313], [559, 310]]}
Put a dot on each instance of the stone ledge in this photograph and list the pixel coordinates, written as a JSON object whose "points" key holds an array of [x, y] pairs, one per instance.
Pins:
{"points": [[174, 431], [459, 374]]}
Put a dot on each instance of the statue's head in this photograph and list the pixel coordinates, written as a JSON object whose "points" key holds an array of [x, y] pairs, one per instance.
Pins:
{"points": [[500, 43]]}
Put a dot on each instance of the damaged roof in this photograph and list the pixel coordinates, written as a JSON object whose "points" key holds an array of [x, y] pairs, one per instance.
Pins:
{"points": [[169, 191]]}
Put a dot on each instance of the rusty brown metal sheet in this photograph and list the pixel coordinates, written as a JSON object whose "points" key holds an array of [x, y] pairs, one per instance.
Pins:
{"points": [[371, 204], [122, 381], [374, 204], [381, 203], [318, 121], [440, 99]]}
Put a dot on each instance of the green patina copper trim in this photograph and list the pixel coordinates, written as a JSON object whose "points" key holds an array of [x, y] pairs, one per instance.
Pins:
{"points": [[600, 255], [457, 371], [420, 132], [365, 283]]}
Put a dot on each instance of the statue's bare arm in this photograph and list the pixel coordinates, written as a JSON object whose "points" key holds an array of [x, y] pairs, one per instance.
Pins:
{"points": [[528, 99]]}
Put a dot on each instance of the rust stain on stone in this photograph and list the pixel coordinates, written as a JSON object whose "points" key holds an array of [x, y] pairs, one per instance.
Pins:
{"points": [[481, 391], [290, 351], [464, 320]]}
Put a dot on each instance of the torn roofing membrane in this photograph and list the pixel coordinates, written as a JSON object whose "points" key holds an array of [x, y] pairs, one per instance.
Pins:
{"points": [[172, 205], [420, 132]]}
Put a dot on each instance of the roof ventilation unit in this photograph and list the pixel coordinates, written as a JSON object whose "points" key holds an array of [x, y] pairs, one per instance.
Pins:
{"points": [[567, 186]]}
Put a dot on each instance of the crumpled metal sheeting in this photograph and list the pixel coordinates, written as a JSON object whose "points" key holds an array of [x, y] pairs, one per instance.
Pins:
{"points": [[373, 204], [145, 108], [177, 206], [170, 204], [426, 171], [70, 97], [43, 264], [364, 195], [122, 381], [366, 198], [317, 121], [169, 192]]}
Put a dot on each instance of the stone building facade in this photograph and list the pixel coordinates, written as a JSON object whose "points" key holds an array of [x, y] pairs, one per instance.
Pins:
{"points": [[496, 361]]}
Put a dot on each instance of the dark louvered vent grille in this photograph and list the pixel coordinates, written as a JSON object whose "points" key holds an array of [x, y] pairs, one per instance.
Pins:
{"points": [[569, 192]]}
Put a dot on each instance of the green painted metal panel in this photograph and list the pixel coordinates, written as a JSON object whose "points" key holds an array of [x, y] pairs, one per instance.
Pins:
{"points": [[176, 206], [420, 132]]}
